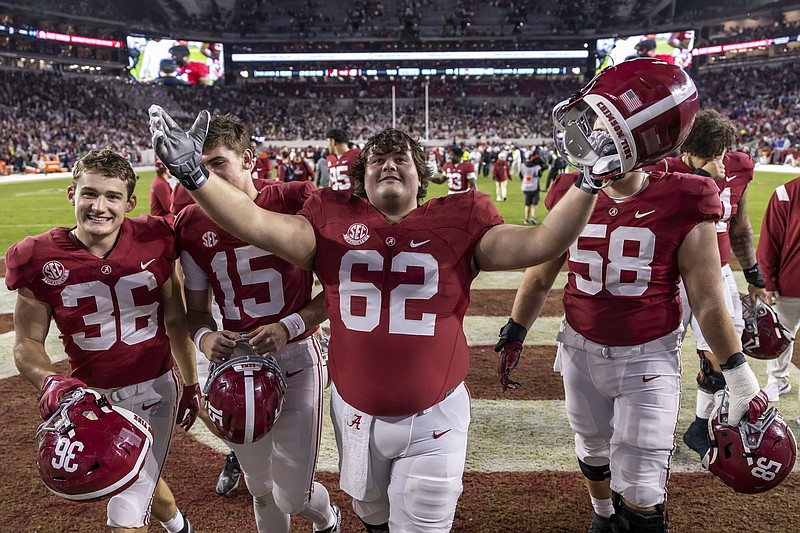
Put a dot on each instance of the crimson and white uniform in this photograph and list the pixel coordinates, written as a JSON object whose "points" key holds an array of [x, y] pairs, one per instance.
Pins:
{"points": [[738, 175], [194, 72], [458, 176], [779, 257], [161, 198], [396, 297], [110, 315], [253, 288], [619, 345], [340, 167]]}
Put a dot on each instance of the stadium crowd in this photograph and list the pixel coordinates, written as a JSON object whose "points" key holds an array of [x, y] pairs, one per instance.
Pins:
{"points": [[67, 115]]}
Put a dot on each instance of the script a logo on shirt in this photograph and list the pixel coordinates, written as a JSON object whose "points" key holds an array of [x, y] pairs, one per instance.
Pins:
{"points": [[357, 234], [54, 273], [210, 239]]}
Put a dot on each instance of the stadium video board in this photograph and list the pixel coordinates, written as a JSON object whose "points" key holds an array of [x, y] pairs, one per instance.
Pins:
{"points": [[672, 47], [191, 62]]}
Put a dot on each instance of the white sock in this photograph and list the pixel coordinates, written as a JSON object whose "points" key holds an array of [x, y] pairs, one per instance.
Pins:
{"points": [[174, 524], [318, 509], [603, 507], [705, 404]]}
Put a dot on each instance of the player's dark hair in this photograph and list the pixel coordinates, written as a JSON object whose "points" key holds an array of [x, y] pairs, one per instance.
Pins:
{"points": [[385, 142], [338, 136], [227, 131], [711, 135], [107, 163], [457, 151]]}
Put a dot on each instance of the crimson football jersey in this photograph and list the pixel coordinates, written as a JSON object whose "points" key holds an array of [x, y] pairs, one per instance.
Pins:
{"points": [[739, 169], [109, 311], [396, 296], [252, 287], [194, 72], [779, 244], [339, 168], [161, 198], [457, 181], [622, 288], [180, 199]]}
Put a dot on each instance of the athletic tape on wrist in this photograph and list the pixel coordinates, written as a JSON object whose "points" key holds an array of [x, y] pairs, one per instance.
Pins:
{"points": [[294, 324], [199, 336]]}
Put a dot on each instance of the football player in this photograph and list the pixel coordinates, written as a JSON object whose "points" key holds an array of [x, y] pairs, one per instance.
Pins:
{"points": [[459, 174], [779, 253], [622, 382], [706, 152], [341, 160], [396, 275], [161, 192], [260, 297], [108, 282]]}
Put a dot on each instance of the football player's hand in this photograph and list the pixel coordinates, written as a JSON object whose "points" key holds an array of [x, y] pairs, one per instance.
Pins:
{"points": [[509, 348], [268, 339], [218, 346], [507, 360], [772, 297], [189, 406], [758, 292], [54, 388], [180, 150], [746, 397], [715, 168]]}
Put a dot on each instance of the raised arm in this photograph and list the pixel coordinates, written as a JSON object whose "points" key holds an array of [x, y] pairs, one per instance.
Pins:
{"points": [[289, 236], [507, 247]]}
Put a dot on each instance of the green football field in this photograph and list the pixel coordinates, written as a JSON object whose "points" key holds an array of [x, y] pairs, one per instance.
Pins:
{"points": [[34, 207]]}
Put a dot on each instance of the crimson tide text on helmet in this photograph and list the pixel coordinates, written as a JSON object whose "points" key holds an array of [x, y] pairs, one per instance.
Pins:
{"points": [[750, 457], [90, 449], [646, 107], [244, 395], [763, 337]]}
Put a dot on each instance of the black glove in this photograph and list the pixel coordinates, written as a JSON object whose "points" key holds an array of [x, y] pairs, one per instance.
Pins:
{"points": [[512, 335], [180, 150], [753, 276]]}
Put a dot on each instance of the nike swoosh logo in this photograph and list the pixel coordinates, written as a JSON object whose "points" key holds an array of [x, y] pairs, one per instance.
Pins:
{"points": [[418, 244], [290, 374], [437, 434], [146, 407], [145, 265], [729, 179], [646, 379], [642, 215]]}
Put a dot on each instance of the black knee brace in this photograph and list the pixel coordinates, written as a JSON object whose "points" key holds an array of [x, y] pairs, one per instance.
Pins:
{"points": [[595, 473], [630, 520], [708, 380], [380, 528]]}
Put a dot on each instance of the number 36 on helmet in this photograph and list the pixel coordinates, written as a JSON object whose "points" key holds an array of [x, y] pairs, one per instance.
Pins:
{"points": [[89, 449]]}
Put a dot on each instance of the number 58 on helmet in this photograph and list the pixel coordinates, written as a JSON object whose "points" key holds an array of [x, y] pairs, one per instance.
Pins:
{"points": [[749, 457]]}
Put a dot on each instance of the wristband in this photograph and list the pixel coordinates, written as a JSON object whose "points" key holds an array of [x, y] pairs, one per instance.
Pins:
{"points": [[701, 172], [294, 324], [753, 276], [733, 361], [199, 336]]}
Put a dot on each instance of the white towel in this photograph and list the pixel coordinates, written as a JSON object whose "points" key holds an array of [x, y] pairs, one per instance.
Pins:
{"points": [[354, 455]]}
